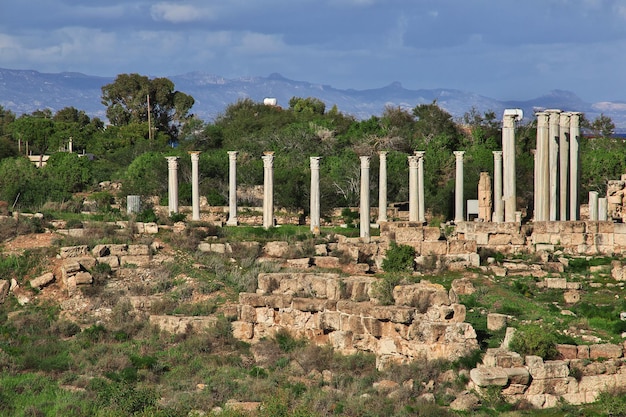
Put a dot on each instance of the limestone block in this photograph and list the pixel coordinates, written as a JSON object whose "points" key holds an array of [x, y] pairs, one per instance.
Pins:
{"points": [[151, 228], [421, 295], [5, 285], [549, 369], [439, 247], [582, 351], [341, 341], [454, 313], [544, 247], [542, 401], [74, 251], [489, 376], [572, 227], [518, 375], [556, 283], [498, 271], [604, 239], [100, 250], [260, 300], [301, 263], [330, 320], [141, 261], [39, 282], [178, 324], [276, 249], [313, 304], [556, 267], [326, 262], [87, 262], [246, 313], [83, 278], [351, 323], [597, 383], [321, 250], [70, 267], [620, 239], [499, 239], [118, 249], [606, 351], [393, 314], [358, 288], [112, 261], [496, 321], [409, 235], [567, 351], [138, 250], [461, 246], [572, 296], [431, 233], [482, 238], [372, 326], [463, 286], [514, 389], [466, 401], [502, 358]]}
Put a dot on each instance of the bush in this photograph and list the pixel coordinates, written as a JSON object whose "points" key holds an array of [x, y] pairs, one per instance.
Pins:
{"points": [[535, 340], [399, 258], [383, 288]]}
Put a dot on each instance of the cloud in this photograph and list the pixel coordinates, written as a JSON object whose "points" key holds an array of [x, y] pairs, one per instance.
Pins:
{"points": [[180, 13]]}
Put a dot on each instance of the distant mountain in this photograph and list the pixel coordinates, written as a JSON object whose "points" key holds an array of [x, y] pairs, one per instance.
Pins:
{"points": [[24, 91]]}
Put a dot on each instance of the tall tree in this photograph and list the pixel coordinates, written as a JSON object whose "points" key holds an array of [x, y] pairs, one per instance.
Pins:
{"points": [[37, 131], [127, 98]]}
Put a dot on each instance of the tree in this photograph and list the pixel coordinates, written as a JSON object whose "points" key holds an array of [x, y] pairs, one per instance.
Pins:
{"points": [[37, 131], [126, 100], [601, 127], [309, 105]]}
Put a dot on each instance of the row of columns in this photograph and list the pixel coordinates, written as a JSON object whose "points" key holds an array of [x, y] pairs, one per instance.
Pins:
{"points": [[556, 166]]}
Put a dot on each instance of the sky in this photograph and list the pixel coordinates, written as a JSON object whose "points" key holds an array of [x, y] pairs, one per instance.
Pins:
{"points": [[504, 49]]}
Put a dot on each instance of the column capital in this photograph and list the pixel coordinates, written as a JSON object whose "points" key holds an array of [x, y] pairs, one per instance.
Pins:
{"points": [[365, 161], [268, 159], [542, 118], [383, 154], [232, 154], [564, 119], [194, 155], [412, 161], [315, 162], [459, 154], [172, 162], [497, 154], [419, 154]]}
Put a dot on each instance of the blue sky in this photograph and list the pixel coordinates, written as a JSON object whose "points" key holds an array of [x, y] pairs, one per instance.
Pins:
{"points": [[505, 49]]}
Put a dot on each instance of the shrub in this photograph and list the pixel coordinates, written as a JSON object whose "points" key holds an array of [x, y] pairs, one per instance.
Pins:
{"points": [[535, 340], [383, 288], [399, 258]]}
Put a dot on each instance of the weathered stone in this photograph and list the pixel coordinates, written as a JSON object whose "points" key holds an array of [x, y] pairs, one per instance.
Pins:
{"points": [[465, 401], [567, 351], [112, 261], [518, 375], [421, 295], [99, 251], [178, 324], [556, 283], [434, 248], [499, 239], [489, 376], [74, 251], [83, 278], [463, 286], [431, 233], [276, 249], [326, 261], [496, 321], [138, 250], [549, 369], [41, 281], [582, 351], [301, 263], [571, 297], [141, 261], [321, 250], [5, 285], [606, 351], [118, 249], [502, 358]]}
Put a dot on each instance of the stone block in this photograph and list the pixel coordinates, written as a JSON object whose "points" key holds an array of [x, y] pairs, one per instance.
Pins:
{"points": [[112, 261], [5, 285], [421, 295], [556, 283], [406, 235], [514, 389], [100, 251], [431, 233], [606, 351], [301, 263], [549, 369], [489, 376], [482, 238], [321, 250], [496, 321], [461, 247], [118, 249], [463, 286], [330, 320], [571, 296], [140, 261], [151, 228], [567, 351], [502, 358], [138, 250], [582, 351], [276, 249], [499, 239], [313, 304], [518, 375], [87, 262], [83, 278], [70, 267], [326, 262], [41, 281], [74, 251], [439, 247]]}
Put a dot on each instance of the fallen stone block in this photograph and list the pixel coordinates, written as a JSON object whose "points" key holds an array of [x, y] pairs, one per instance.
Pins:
{"points": [[606, 351], [74, 251], [5, 285], [489, 376], [41, 281]]}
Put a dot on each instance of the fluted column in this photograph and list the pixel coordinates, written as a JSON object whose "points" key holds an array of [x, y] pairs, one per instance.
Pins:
{"points": [[365, 198], [542, 169], [498, 209], [421, 208], [268, 189], [553, 162], [574, 138], [564, 166], [593, 205], [315, 194], [413, 199], [382, 187], [232, 189], [458, 187], [195, 186], [172, 184], [509, 186]]}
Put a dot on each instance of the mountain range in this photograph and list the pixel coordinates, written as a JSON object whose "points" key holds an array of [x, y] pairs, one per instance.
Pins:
{"points": [[24, 91]]}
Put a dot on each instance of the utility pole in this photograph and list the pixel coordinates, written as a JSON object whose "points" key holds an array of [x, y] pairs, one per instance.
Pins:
{"points": [[149, 119]]}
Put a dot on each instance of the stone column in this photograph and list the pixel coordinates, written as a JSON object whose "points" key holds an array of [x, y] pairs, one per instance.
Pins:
{"points": [[535, 182], [574, 137], [421, 208], [365, 198], [498, 209], [268, 189], [413, 199], [593, 205], [564, 166], [172, 185], [232, 189], [542, 171], [553, 162], [315, 194], [382, 187], [602, 209], [509, 186], [458, 187], [133, 204], [195, 186], [485, 203]]}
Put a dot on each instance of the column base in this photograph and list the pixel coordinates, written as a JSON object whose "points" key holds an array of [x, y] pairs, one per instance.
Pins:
{"points": [[232, 222]]}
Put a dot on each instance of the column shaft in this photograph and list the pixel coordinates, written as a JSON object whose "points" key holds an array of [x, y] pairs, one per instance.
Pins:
{"points": [[382, 188], [498, 216], [509, 194], [421, 208], [172, 188], [564, 166], [413, 199], [553, 161], [315, 194], [268, 190], [458, 187], [364, 209], [232, 189], [574, 137], [542, 192], [593, 206], [602, 209], [195, 186]]}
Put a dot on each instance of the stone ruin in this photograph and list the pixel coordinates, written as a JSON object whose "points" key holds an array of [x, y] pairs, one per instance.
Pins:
{"points": [[616, 199]]}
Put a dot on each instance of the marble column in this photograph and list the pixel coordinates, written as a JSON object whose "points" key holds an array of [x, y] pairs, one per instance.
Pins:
{"points": [[564, 166], [509, 186], [315, 194], [172, 185], [232, 189], [382, 188], [542, 190], [593, 205], [553, 162], [574, 138], [421, 207], [133, 204], [413, 199], [498, 209], [535, 182], [268, 189], [602, 209], [195, 186], [365, 198], [458, 187]]}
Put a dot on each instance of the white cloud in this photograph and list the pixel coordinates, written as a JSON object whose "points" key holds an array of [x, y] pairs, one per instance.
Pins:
{"points": [[179, 13], [259, 44]]}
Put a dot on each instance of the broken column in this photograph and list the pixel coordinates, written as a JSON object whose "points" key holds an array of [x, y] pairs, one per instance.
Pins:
{"points": [[574, 138], [315, 194], [485, 205], [365, 198], [421, 209], [509, 192], [172, 184], [133, 204], [195, 186], [268, 189], [602, 209], [564, 166], [382, 187], [232, 189], [542, 171], [553, 162], [458, 187], [498, 210], [413, 201], [593, 205]]}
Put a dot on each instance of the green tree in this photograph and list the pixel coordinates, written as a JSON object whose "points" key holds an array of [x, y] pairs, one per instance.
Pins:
{"points": [[68, 172], [309, 105], [601, 127], [37, 131]]}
